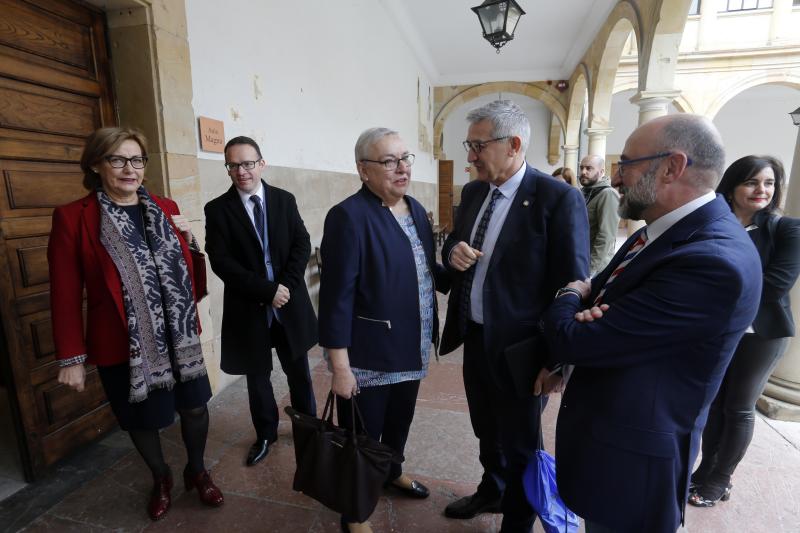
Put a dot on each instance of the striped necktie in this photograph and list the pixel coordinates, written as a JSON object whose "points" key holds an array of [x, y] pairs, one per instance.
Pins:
{"points": [[469, 274], [637, 246]]}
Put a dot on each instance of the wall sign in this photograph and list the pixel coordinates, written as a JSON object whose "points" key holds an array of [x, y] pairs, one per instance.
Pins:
{"points": [[212, 135]]}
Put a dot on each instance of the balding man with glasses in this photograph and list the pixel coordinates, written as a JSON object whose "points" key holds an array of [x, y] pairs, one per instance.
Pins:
{"points": [[258, 245], [519, 235]]}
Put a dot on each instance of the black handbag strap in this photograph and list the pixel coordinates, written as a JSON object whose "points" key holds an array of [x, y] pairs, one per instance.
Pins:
{"points": [[327, 414]]}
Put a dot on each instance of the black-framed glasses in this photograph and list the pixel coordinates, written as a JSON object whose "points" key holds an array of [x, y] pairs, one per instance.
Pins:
{"points": [[478, 146], [392, 163], [623, 162], [117, 161], [246, 165]]}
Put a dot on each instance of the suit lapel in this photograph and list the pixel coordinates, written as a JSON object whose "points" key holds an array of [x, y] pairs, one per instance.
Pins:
{"points": [[272, 213], [471, 213], [237, 212], [521, 204]]}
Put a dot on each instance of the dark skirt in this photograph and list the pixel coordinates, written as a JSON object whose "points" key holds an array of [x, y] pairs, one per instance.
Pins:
{"points": [[158, 410]]}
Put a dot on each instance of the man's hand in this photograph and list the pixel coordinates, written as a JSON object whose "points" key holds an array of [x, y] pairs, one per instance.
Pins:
{"points": [[281, 297], [344, 383], [546, 383], [463, 256], [591, 314], [182, 223], [585, 287], [73, 376]]}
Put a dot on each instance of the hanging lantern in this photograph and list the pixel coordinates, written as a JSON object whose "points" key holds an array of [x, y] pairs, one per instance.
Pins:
{"points": [[499, 20]]}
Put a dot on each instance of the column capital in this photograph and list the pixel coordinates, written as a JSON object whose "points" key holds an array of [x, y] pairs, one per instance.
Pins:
{"points": [[598, 132], [654, 99], [570, 148]]}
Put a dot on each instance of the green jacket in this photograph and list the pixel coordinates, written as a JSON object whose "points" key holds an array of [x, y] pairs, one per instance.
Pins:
{"points": [[602, 202]]}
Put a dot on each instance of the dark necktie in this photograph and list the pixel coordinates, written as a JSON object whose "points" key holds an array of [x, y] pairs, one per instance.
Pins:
{"points": [[469, 274], [259, 220]]}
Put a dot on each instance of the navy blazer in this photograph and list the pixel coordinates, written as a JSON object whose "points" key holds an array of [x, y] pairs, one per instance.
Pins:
{"points": [[543, 245], [646, 372], [369, 293], [777, 240]]}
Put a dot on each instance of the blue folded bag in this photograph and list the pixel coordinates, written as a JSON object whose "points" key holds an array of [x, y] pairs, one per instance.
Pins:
{"points": [[539, 481]]}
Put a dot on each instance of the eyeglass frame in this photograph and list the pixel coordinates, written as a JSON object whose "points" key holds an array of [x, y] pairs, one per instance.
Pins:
{"points": [[623, 162], [387, 162], [232, 167], [126, 160], [478, 146]]}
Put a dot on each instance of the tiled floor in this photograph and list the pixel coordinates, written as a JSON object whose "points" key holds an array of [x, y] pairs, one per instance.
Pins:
{"points": [[106, 488]]}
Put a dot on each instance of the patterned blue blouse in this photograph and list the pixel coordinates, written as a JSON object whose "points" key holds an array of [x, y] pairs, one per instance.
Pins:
{"points": [[373, 378]]}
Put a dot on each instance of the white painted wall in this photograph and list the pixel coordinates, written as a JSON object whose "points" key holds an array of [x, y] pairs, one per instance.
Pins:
{"points": [[756, 121], [624, 119], [455, 132], [306, 78]]}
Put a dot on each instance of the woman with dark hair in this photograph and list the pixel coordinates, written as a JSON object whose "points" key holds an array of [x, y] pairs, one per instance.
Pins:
{"points": [[136, 257], [753, 187]]}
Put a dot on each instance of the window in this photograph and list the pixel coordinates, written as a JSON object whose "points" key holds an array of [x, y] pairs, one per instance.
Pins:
{"points": [[745, 5], [694, 9]]}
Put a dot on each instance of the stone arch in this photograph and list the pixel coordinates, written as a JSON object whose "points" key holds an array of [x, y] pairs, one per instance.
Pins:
{"points": [[762, 78], [623, 20], [476, 91], [577, 96]]}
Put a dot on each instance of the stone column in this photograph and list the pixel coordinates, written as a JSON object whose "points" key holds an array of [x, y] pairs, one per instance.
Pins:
{"points": [[780, 24], [571, 157], [708, 20], [781, 398], [597, 140]]}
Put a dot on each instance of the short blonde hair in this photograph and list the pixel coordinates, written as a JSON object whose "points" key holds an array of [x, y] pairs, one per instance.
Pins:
{"points": [[102, 143]]}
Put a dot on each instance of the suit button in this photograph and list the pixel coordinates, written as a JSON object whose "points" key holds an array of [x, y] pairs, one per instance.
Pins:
{"points": [[261, 304]]}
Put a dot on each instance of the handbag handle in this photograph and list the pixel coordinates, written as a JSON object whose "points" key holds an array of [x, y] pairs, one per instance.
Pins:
{"points": [[327, 414]]}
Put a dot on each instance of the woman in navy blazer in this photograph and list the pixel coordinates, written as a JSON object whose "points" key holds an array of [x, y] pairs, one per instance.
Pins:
{"points": [[377, 304], [753, 187]]}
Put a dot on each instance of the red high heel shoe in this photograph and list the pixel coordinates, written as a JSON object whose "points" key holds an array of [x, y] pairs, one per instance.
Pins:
{"points": [[209, 493], [160, 498]]}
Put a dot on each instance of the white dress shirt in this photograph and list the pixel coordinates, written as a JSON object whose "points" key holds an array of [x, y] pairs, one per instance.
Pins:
{"points": [[508, 191]]}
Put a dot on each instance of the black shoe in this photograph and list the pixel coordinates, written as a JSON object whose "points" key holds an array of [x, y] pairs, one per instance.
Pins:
{"points": [[257, 452], [471, 506], [698, 500], [417, 489]]}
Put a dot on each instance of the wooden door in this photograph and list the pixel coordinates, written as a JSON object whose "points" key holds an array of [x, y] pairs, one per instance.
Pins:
{"points": [[54, 91], [445, 196]]}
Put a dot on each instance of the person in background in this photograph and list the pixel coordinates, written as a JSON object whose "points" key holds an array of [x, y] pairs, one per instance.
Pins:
{"points": [[567, 175], [753, 187], [602, 203], [135, 256], [378, 319]]}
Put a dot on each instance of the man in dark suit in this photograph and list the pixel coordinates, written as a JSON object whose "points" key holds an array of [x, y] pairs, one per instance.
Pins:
{"points": [[258, 245], [652, 334], [518, 237]]}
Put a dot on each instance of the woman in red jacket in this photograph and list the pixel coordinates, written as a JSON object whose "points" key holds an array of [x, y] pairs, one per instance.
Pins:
{"points": [[130, 250]]}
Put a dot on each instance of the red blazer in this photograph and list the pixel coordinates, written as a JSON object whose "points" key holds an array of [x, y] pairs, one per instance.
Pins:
{"points": [[77, 259]]}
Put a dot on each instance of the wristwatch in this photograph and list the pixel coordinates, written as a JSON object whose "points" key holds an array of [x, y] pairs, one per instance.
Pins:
{"points": [[568, 290]]}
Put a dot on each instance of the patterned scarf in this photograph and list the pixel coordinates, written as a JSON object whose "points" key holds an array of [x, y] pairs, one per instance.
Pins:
{"points": [[157, 293]]}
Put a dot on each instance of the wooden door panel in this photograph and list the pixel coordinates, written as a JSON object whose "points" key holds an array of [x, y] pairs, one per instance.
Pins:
{"points": [[45, 34], [34, 189], [39, 109], [446, 195], [54, 91], [28, 265]]}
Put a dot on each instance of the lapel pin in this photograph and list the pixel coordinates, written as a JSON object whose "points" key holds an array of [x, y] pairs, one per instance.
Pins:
{"points": [[525, 203]]}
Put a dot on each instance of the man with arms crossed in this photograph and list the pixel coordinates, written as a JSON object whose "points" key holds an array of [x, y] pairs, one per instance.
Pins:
{"points": [[651, 335]]}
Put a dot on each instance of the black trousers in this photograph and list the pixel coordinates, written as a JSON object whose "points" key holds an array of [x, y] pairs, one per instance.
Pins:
{"points": [[508, 429], [731, 417], [263, 408], [388, 411]]}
